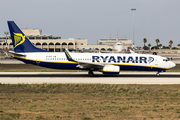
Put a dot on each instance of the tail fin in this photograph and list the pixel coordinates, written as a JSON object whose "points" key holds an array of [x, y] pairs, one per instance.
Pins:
{"points": [[20, 42]]}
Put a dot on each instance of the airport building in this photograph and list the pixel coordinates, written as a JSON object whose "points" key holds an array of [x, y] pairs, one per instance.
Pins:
{"points": [[56, 44], [127, 43]]}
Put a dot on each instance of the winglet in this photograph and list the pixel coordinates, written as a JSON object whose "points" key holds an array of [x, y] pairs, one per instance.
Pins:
{"points": [[68, 55]]}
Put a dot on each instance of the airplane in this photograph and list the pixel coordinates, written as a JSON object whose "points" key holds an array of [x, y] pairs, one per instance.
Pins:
{"points": [[118, 46], [107, 63]]}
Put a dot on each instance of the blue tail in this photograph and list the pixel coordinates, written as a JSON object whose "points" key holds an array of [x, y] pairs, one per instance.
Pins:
{"points": [[20, 42]]}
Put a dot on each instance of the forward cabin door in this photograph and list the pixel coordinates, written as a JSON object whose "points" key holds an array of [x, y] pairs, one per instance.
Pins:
{"points": [[156, 62]]}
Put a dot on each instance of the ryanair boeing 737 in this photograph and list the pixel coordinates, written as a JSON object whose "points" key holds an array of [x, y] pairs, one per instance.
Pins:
{"points": [[107, 63]]}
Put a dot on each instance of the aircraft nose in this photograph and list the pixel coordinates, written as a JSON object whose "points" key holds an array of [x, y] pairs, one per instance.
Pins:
{"points": [[172, 65]]}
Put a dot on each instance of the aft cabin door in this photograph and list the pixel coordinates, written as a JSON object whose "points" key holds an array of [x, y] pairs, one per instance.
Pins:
{"points": [[37, 59]]}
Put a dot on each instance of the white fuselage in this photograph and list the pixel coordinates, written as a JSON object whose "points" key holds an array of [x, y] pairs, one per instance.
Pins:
{"points": [[126, 61]]}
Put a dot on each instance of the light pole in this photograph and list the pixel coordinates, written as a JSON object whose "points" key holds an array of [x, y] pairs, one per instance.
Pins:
{"points": [[6, 33], [133, 9]]}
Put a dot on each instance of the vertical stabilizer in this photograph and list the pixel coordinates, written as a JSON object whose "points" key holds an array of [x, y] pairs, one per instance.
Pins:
{"points": [[20, 42], [118, 46], [117, 35]]}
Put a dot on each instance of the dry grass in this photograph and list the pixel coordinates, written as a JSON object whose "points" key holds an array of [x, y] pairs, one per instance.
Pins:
{"points": [[89, 101]]}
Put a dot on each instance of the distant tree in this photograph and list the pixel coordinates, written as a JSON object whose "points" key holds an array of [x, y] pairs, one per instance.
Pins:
{"points": [[157, 41], [144, 40], [145, 47], [138, 48], [174, 48], [149, 45], [170, 43], [178, 46], [160, 45], [165, 47], [154, 47]]}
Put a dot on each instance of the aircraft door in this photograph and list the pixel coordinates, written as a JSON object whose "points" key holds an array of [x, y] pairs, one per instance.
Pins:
{"points": [[37, 59], [156, 62]]}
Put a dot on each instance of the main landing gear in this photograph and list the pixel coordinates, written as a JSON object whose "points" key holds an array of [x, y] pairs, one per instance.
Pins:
{"points": [[91, 73]]}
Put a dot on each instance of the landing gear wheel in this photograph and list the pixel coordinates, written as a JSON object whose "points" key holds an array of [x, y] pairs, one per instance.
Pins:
{"points": [[91, 73], [157, 74]]}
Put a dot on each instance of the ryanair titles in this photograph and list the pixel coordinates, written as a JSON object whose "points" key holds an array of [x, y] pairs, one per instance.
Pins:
{"points": [[123, 59]]}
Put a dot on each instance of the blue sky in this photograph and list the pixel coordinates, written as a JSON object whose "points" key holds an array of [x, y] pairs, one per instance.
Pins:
{"points": [[97, 19]]}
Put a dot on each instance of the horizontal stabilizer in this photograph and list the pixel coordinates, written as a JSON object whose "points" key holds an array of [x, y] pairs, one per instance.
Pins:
{"points": [[16, 54]]}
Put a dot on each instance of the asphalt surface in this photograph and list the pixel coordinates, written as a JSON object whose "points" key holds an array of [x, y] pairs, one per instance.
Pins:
{"points": [[82, 77]]}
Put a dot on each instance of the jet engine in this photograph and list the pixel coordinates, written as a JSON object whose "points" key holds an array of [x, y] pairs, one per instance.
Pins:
{"points": [[111, 69], [154, 53]]}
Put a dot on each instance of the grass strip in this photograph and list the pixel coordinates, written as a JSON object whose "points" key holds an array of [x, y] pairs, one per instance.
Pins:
{"points": [[89, 101]]}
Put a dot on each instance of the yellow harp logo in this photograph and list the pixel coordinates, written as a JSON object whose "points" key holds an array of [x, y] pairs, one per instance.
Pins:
{"points": [[18, 39]]}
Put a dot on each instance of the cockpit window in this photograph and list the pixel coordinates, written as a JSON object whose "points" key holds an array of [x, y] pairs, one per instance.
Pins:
{"points": [[165, 60]]}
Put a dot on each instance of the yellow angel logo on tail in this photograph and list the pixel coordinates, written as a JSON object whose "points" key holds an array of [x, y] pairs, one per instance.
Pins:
{"points": [[18, 39]]}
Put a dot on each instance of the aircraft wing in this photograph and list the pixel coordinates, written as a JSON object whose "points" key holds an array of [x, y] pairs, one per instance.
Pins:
{"points": [[89, 65], [83, 64]]}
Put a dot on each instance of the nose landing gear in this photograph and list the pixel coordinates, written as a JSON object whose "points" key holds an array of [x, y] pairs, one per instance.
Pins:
{"points": [[158, 73]]}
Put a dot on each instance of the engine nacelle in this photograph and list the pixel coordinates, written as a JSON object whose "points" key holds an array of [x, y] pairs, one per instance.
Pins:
{"points": [[154, 53], [111, 69]]}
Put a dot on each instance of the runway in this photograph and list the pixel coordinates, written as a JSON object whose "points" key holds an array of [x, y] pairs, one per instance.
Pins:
{"points": [[82, 77]]}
